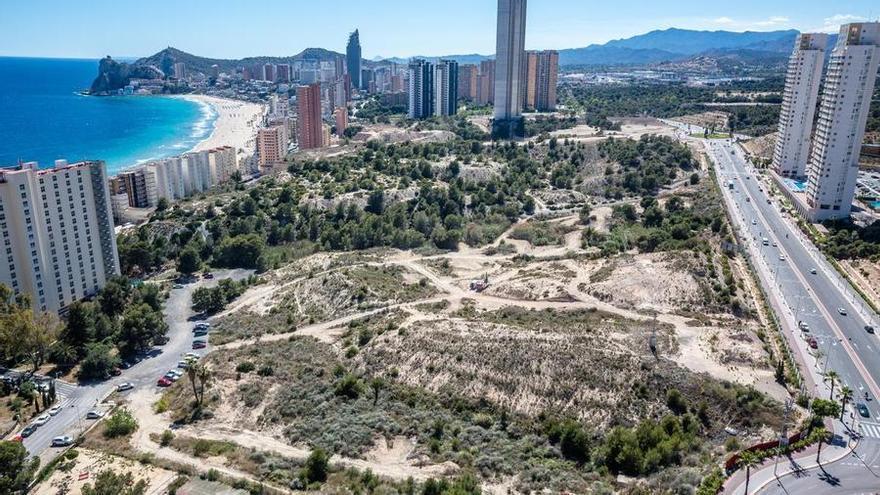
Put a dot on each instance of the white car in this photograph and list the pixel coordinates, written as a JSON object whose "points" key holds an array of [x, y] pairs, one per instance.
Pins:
{"points": [[192, 355], [841, 311], [754, 222], [183, 364], [62, 441], [782, 258], [173, 375], [122, 387], [95, 414], [42, 419], [813, 271], [54, 410]]}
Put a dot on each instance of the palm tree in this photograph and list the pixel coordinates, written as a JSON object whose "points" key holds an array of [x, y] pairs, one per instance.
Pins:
{"points": [[199, 378], [748, 460], [846, 394], [833, 376]]}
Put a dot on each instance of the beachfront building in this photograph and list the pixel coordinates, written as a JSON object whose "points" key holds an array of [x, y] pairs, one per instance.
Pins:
{"points": [[802, 81], [137, 186], [309, 123], [846, 98], [56, 230], [510, 49], [271, 145], [446, 88]]}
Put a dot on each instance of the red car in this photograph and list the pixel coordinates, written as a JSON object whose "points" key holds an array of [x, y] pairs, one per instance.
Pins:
{"points": [[199, 344], [164, 382], [813, 343]]}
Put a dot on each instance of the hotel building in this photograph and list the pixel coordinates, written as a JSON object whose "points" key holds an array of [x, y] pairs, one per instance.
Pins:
{"points": [[446, 88], [56, 230], [310, 134], [421, 89], [510, 49]]}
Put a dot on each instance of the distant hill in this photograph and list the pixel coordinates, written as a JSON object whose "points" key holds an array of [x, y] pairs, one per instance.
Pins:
{"points": [[473, 58], [690, 42]]}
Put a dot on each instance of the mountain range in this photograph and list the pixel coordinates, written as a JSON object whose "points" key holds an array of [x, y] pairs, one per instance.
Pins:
{"points": [[669, 45]]}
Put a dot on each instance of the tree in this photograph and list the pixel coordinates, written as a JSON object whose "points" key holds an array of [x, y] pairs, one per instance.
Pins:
{"points": [[16, 471], [316, 467], [120, 423], [376, 202], [114, 296], [200, 379], [189, 261], [109, 483], [748, 460], [139, 328], [584, 214], [376, 384], [846, 394], [831, 376], [98, 362], [162, 204], [80, 328]]}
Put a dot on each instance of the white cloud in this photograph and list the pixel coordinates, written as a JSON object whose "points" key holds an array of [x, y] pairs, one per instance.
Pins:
{"points": [[724, 20], [832, 24], [770, 22]]}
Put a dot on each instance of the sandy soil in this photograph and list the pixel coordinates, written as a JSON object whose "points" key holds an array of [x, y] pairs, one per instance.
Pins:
{"points": [[89, 463]]}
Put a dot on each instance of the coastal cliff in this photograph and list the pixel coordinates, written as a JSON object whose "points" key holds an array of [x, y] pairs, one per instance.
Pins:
{"points": [[113, 75]]}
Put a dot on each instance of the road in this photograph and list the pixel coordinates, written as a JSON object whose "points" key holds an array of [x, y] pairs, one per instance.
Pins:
{"points": [[812, 292], [78, 399]]}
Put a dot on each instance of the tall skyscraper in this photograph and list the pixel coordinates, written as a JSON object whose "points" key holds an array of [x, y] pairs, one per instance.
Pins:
{"points": [[529, 79], [802, 83], [310, 133], [510, 47], [846, 99], [271, 145], [467, 82], [421, 89], [353, 58], [341, 116], [56, 227], [546, 73], [446, 88], [269, 72]]}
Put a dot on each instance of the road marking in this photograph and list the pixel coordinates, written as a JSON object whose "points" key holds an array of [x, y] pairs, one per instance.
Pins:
{"points": [[871, 430]]}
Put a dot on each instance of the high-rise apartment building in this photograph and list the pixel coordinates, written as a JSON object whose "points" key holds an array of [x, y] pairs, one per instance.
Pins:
{"points": [[802, 81], [353, 58], [56, 229], [341, 115], [467, 82], [529, 79], [179, 70], [269, 72], [486, 83], [446, 88], [135, 184], [309, 122], [510, 47], [271, 145], [546, 74], [846, 98], [421, 89]]}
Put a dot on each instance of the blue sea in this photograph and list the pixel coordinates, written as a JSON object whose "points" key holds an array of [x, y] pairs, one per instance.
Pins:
{"points": [[43, 118]]}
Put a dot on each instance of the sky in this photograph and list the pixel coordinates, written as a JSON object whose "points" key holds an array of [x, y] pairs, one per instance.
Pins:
{"points": [[401, 28]]}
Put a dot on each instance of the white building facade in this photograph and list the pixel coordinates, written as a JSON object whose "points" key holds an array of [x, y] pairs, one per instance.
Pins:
{"points": [[57, 233], [802, 82]]}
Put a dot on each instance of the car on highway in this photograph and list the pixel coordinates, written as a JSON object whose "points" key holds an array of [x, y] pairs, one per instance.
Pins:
{"points": [[42, 419], [863, 410], [94, 414], [122, 387], [841, 311], [774, 244], [781, 258], [199, 344], [813, 271], [754, 222], [869, 329], [163, 382], [54, 410], [28, 431], [62, 441]]}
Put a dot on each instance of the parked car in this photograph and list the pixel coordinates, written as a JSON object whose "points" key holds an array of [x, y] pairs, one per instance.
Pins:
{"points": [[62, 441], [754, 222], [116, 372], [122, 387], [54, 410], [202, 325], [863, 410], [841, 311], [782, 258], [201, 332], [209, 275], [178, 286], [28, 431], [869, 329], [813, 343], [173, 375], [125, 365], [803, 326], [813, 271], [94, 414], [193, 355], [42, 419], [199, 344], [161, 340], [164, 382], [183, 364]]}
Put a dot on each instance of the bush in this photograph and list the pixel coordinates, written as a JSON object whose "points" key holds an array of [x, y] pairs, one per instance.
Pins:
{"points": [[167, 437], [349, 387], [316, 468], [120, 423], [245, 367]]}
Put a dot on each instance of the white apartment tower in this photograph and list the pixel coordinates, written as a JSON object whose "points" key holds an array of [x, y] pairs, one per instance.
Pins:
{"points": [[510, 52], [446, 88], [56, 229], [799, 105], [849, 85]]}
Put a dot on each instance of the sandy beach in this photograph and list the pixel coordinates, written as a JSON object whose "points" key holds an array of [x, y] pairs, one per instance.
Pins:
{"points": [[236, 124]]}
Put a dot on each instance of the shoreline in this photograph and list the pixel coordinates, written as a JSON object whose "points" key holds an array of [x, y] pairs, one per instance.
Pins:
{"points": [[235, 123]]}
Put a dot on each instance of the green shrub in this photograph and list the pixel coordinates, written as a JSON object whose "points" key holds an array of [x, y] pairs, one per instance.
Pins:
{"points": [[120, 423]]}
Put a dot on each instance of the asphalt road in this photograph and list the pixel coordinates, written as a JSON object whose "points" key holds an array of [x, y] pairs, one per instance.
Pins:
{"points": [[78, 399], [857, 473], [814, 298]]}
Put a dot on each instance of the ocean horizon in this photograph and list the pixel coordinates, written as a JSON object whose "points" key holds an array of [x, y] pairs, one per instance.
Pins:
{"points": [[46, 118]]}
